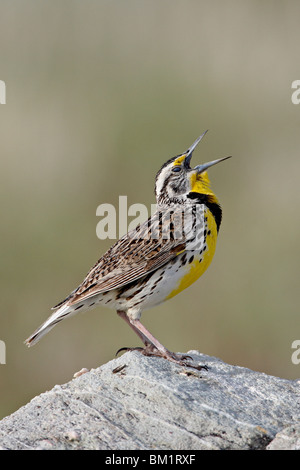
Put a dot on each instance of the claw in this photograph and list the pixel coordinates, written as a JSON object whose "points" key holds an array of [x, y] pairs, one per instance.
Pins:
{"points": [[181, 359], [129, 349], [197, 366], [185, 357]]}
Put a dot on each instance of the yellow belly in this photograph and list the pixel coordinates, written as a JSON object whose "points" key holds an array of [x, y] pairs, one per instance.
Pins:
{"points": [[194, 270]]}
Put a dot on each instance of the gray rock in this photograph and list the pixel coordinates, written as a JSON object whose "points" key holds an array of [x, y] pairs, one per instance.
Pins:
{"points": [[287, 439], [137, 402]]}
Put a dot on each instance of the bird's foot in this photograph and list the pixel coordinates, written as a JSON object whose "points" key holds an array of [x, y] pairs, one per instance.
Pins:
{"points": [[180, 359]]}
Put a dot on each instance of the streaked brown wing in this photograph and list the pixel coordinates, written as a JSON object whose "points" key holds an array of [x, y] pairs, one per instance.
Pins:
{"points": [[134, 255]]}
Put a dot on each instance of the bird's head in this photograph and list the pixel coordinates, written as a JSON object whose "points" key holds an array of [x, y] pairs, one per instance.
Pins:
{"points": [[176, 179]]}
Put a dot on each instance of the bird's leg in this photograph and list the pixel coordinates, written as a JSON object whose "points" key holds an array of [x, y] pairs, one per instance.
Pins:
{"points": [[149, 341], [153, 347], [141, 336]]}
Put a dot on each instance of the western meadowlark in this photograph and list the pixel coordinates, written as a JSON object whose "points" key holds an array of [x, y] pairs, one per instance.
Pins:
{"points": [[156, 260]]}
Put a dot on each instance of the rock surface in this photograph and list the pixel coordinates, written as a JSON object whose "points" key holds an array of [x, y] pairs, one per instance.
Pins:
{"points": [[136, 402]]}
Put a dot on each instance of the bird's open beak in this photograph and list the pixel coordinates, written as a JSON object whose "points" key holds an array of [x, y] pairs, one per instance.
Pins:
{"points": [[201, 168], [188, 154]]}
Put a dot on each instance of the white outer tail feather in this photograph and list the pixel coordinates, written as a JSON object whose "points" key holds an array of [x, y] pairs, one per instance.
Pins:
{"points": [[63, 312]]}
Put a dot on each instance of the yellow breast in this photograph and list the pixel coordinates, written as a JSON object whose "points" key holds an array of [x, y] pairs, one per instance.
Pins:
{"points": [[191, 272]]}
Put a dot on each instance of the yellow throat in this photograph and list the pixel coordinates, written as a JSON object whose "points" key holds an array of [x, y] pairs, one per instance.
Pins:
{"points": [[191, 272]]}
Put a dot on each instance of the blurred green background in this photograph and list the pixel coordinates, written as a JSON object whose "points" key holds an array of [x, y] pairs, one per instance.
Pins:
{"points": [[99, 95]]}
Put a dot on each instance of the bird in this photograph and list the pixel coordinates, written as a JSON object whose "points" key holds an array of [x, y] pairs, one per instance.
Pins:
{"points": [[155, 261]]}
